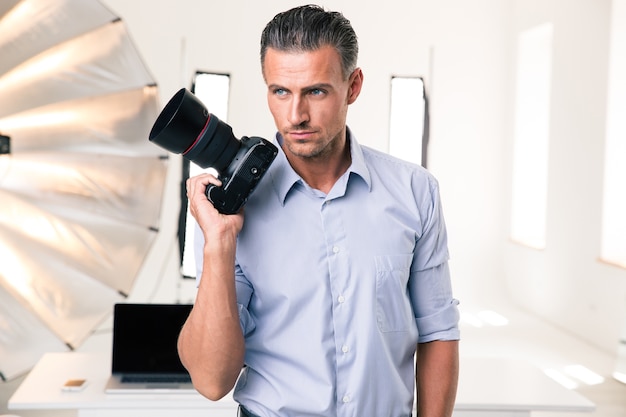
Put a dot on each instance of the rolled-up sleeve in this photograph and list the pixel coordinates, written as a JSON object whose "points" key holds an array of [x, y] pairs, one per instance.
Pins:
{"points": [[436, 311], [244, 294]]}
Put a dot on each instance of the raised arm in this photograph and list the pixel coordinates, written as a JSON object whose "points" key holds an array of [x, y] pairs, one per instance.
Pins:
{"points": [[211, 343]]}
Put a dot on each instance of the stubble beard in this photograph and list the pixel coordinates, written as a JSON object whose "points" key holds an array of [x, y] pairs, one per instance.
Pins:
{"points": [[313, 150]]}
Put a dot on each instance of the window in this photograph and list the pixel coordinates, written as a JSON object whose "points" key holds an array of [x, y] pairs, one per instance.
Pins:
{"points": [[532, 124], [408, 120], [614, 199], [212, 89]]}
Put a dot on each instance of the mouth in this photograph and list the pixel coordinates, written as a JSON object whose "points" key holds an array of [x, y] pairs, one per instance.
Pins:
{"points": [[301, 134]]}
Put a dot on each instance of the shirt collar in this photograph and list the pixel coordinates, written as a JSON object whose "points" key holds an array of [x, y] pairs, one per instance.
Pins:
{"points": [[284, 177]]}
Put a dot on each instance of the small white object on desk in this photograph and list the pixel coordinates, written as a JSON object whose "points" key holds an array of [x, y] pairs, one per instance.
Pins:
{"points": [[74, 385]]}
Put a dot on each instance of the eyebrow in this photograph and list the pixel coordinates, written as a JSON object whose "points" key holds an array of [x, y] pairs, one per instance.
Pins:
{"points": [[319, 86]]}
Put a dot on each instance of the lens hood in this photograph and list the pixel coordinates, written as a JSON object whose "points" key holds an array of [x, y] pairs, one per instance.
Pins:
{"points": [[186, 127], [180, 123]]}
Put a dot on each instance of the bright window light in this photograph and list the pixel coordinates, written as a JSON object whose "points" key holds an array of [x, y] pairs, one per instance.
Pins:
{"points": [[561, 379], [212, 89], [484, 318], [471, 319], [584, 374], [574, 372], [406, 121], [492, 318], [532, 124], [621, 377], [614, 204]]}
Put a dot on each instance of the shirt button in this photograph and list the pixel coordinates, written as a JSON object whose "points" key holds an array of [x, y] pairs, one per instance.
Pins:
{"points": [[345, 349], [335, 249], [346, 399], [341, 299]]}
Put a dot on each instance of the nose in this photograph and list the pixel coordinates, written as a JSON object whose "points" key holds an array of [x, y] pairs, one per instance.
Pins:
{"points": [[298, 112]]}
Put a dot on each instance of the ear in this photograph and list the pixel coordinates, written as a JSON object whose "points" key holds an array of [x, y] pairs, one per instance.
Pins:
{"points": [[356, 83]]}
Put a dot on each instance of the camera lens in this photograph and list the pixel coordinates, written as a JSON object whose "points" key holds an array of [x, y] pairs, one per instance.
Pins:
{"points": [[186, 127]]}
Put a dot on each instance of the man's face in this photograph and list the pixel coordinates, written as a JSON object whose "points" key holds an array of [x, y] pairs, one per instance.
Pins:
{"points": [[309, 98]]}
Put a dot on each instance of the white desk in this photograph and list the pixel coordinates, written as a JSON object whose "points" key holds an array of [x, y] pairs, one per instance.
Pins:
{"points": [[511, 388], [488, 387], [41, 390]]}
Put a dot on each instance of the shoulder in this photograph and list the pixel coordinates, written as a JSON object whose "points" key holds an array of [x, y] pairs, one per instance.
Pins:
{"points": [[386, 166]]}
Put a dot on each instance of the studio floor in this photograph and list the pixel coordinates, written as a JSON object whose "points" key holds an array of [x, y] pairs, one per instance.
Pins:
{"points": [[488, 331]]}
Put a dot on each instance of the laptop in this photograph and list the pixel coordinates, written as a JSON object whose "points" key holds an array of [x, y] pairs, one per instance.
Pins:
{"points": [[145, 355]]}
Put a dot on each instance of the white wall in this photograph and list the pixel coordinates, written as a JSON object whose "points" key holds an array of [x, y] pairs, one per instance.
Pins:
{"points": [[566, 283], [465, 50]]}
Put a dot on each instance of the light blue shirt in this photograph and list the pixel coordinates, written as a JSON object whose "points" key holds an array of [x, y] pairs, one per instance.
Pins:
{"points": [[335, 291]]}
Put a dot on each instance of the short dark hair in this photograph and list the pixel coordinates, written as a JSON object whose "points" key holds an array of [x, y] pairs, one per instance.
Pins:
{"points": [[310, 27]]}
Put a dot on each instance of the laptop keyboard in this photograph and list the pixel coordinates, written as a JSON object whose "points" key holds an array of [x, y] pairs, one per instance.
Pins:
{"points": [[156, 379]]}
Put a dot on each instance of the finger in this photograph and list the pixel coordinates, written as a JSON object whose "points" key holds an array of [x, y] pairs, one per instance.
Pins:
{"points": [[200, 182]]}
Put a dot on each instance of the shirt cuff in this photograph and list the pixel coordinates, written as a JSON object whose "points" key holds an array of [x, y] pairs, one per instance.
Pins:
{"points": [[443, 325]]}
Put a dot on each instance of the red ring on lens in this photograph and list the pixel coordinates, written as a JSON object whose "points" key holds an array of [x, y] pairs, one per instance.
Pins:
{"points": [[199, 136]]}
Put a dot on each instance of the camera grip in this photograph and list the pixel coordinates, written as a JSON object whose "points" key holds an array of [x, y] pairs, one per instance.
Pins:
{"points": [[251, 164]]}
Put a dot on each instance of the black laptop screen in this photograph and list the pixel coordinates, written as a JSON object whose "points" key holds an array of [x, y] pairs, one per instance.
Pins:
{"points": [[145, 337]]}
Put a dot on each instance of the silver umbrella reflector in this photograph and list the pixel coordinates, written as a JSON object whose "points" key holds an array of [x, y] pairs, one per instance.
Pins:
{"points": [[80, 185]]}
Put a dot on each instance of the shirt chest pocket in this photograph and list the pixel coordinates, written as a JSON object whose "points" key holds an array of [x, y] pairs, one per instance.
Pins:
{"points": [[393, 305]]}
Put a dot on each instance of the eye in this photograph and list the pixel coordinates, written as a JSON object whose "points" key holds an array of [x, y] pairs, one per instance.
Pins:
{"points": [[317, 92], [279, 92]]}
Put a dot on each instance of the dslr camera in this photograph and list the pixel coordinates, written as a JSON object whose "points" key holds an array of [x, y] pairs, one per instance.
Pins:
{"points": [[186, 127]]}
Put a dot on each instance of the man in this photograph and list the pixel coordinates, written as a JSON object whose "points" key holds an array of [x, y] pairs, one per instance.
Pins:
{"points": [[339, 272]]}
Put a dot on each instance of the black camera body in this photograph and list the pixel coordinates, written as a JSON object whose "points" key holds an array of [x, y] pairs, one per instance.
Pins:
{"points": [[186, 127], [242, 175]]}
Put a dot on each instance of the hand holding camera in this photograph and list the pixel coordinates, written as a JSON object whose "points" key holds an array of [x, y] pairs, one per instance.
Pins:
{"points": [[186, 127]]}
